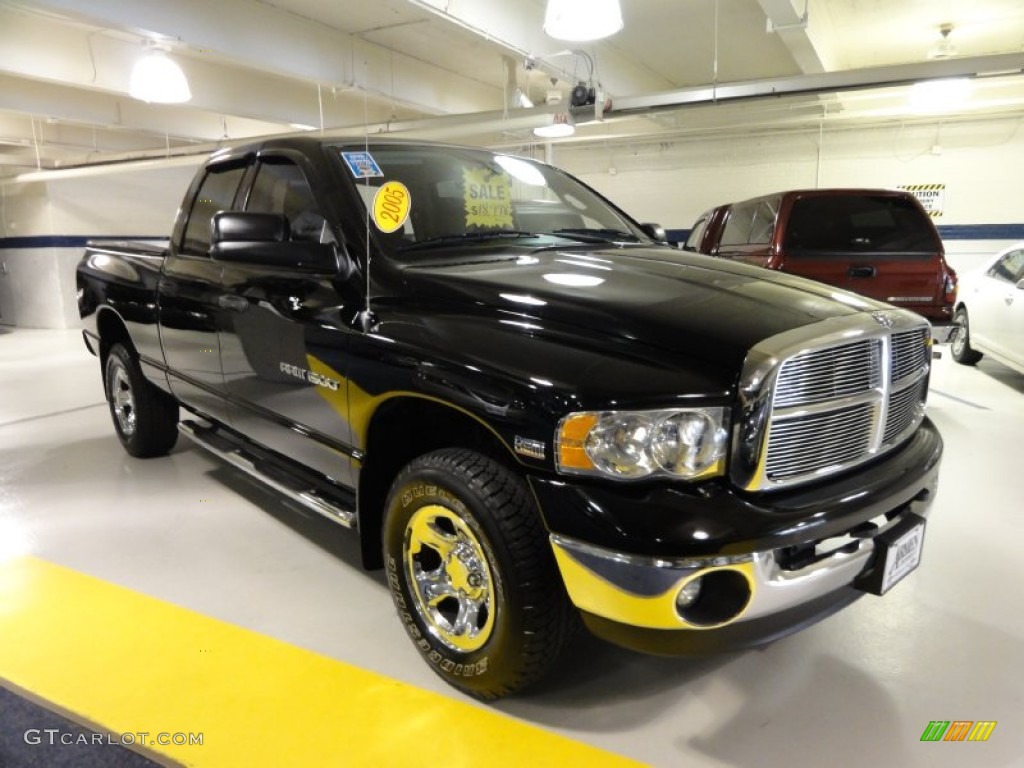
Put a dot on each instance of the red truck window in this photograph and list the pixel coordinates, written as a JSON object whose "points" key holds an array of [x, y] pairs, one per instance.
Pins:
{"points": [[859, 223]]}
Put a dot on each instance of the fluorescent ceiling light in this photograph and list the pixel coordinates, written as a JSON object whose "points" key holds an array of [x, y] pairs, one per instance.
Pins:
{"points": [[940, 95], [158, 79], [582, 20]]}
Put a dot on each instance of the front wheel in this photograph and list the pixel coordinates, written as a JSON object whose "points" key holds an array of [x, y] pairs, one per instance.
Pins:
{"points": [[961, 343], [145, 417], [472, 574]]}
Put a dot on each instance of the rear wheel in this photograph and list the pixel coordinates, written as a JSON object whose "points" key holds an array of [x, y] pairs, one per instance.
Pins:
{"points": [[961, 342], [145, 417], [472, 574]]}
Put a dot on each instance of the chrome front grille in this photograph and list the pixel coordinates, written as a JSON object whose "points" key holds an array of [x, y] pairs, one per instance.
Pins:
{"points": [[806, 443], [825, 405], [822, 375]]}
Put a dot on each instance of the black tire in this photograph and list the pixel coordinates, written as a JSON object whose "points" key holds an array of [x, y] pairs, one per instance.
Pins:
{"points": [[960, 345], [145, 417], [467, 525]]}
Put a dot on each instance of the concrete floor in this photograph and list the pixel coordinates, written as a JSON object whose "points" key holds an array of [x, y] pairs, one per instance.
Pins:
{"points": [[857, 689]]}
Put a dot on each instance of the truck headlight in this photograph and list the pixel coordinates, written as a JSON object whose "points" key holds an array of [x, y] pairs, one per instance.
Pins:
{"points": [[686, 443]]}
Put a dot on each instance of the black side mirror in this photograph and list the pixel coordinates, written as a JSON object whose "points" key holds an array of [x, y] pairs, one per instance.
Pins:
{"points": [[263, 238], [655, 231], [239, 227]]}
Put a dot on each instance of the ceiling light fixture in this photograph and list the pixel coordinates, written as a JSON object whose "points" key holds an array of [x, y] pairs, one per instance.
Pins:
{"points": [[158, 79], [582, 20], [560, 127], [947, 95]]}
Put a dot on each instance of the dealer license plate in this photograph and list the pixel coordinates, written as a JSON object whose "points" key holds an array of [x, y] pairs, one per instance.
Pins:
{"points": [[902, 556]]}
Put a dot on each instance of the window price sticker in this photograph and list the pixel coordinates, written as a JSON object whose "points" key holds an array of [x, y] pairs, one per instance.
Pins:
{"points": [[362, 165]]}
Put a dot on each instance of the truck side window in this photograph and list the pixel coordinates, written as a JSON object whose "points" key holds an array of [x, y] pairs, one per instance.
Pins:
{"points": [[697, 233], [737, 228], [763, 226], [282, 187], [216, 193]]}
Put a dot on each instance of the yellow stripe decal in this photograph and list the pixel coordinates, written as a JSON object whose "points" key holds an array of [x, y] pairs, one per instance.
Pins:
{"points": [[128, 664]]}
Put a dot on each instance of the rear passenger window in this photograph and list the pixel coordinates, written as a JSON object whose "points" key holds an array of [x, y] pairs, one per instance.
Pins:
{"points": [[763, 226], [216, 193], [737, 228]]}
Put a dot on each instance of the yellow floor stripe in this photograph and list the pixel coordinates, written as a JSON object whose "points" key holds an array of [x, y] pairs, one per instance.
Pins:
{"points": [[130, 663]]}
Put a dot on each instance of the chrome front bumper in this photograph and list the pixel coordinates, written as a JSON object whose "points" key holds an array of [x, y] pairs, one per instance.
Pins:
{"points": [[642, 591]]}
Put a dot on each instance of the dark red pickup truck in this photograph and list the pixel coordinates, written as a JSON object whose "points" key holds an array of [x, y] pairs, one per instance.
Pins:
{"points": [[876, 242]]}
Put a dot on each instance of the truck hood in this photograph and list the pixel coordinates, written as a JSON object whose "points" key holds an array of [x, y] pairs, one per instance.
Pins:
{"points": [[670, 301]]}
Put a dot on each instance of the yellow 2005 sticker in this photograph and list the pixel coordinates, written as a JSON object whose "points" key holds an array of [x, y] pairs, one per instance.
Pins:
{"points": [[391, 206]]}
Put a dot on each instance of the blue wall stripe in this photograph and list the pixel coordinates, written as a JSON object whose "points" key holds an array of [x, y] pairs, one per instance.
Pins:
{"points": [[66, 241], [981, 231]]}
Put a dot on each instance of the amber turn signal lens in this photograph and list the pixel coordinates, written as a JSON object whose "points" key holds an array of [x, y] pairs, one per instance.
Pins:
{"points": [[571, 439]]}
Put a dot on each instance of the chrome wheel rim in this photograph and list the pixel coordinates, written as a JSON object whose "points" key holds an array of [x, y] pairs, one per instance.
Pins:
{"points": [[122, 400], [450, 578], [959, 340]]}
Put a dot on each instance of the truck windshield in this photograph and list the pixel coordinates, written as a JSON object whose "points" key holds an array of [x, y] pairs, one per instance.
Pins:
{"points": [[859, 223], [419, 199]]}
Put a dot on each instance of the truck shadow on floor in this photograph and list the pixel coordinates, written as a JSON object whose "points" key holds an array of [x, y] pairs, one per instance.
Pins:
{"points": [[339, 542]]}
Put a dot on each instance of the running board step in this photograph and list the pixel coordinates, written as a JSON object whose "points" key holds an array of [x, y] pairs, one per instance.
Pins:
{"points": [[262, 465]]}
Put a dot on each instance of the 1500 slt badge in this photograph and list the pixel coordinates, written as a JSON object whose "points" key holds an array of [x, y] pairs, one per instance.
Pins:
{"points": [[311, 376]]}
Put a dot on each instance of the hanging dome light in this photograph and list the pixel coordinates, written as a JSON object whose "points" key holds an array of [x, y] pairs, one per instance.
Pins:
{"points": [[582, 20], [561, 126], [158, 79]]}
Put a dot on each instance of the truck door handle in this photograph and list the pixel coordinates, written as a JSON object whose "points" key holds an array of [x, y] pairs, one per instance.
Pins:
{"points": [[232, 302], [861, 272]]}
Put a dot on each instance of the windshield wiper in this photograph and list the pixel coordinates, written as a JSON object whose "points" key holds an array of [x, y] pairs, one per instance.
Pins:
{"points": [[596, 235], [467, 237]]}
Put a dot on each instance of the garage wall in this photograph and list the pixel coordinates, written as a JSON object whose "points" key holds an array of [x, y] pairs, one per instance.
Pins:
{"points": [[674, 182], [46, 218]]}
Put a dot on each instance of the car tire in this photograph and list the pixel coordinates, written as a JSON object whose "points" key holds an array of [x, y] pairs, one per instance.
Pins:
{"points": [[472, 574], [960, 345], [145, 417]]}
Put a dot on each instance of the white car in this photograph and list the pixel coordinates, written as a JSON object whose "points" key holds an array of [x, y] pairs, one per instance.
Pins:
{"points": [[989, 316]]}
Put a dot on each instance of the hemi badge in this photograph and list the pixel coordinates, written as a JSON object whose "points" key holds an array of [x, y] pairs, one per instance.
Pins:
{"points": [[533, 449]]}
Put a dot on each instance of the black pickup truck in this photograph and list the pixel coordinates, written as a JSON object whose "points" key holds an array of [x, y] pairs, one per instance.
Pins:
{"points": [[531, 409]]}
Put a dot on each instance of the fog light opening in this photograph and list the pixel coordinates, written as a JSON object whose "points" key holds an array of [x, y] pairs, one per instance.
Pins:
{"points": [[714, 598], [688, 594]]}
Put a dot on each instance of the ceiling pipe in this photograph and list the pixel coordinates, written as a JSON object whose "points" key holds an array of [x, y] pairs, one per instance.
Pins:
{"points": [[829, 82], [454, 127]]}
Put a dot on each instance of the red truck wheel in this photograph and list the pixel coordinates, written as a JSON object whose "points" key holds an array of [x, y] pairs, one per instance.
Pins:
{"points": [[472, 574], [145, 418]]}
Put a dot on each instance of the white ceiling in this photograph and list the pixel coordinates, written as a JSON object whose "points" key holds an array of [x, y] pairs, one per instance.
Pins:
{"points": [[446, 69]]}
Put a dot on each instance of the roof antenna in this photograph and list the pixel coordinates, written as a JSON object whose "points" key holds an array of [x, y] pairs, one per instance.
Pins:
{"points": [[365, 318]]}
